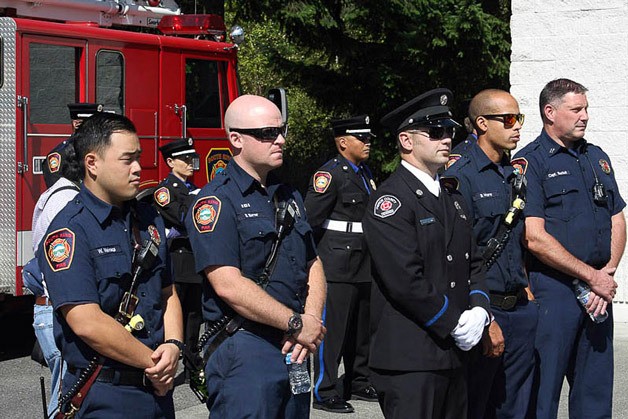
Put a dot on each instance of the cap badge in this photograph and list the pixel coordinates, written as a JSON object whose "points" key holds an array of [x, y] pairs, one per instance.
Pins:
{"points": [[367, 120], [443, 100], [190, 141]]}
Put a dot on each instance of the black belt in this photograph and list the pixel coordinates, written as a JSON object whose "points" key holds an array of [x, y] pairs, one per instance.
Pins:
{"points": [[118, 377], [508, 300], [262, 330]]}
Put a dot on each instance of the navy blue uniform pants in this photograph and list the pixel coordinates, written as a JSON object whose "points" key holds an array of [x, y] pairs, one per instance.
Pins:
{"points": [[440, 394], [501, 387], [247, 378], [569, 344], [346, 318], [107, 400]]}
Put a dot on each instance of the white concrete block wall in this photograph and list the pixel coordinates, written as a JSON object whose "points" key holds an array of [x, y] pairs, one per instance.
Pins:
{"points": [[586, 41]]}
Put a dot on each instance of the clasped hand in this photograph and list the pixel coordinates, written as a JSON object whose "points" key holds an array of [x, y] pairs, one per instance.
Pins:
{"points": [[470, 327]]}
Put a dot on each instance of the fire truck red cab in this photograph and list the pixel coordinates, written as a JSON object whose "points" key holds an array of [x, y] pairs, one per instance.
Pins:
{"points": [[56, 52]]}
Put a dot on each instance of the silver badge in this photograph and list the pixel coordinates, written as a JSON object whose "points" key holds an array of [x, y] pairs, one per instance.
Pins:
{"points": [[190, 141], [373, 184], [443, 100], [367, 120]]}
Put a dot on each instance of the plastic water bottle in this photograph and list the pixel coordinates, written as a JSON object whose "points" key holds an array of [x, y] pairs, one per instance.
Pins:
{"points": [[582, 291], [299, 376]]}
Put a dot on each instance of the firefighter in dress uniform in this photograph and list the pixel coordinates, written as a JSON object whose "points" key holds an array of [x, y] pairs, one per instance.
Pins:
{"points": [[335, 203], [173, 196], [429, 302], [89, 257]]}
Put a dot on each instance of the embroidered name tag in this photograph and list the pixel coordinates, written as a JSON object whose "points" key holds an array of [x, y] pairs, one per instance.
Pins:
{"points": [[558, 173]]}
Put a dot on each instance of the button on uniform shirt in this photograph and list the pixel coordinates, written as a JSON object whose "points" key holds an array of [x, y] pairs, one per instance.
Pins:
{"points": [[232, 223], [560, 184], [487, 190], [86, 257]]}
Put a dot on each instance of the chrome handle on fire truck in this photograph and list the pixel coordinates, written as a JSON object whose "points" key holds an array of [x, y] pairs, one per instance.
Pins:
{"points": [[182, 112], [22, 102]]}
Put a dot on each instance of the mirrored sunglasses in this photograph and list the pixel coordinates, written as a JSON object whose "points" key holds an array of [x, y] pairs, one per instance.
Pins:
{"points": [[264, 133], [509, 119]]}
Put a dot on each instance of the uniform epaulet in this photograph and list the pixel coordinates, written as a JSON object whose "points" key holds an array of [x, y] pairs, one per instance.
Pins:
{"points": [[451, 183], [330, 164]]}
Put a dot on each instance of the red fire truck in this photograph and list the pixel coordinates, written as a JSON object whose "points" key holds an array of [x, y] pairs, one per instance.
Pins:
{"points": [[173, 78]]}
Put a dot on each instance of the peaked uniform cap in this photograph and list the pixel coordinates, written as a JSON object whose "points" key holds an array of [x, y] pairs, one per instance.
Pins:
{"points": [[84, 110], [178, 148], [356, 126], [431, 109]]}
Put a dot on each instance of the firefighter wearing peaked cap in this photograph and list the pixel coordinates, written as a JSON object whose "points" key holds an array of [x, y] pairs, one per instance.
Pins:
{"points": [[57, 156], [335, 202], [429, 303], [172, 198]]}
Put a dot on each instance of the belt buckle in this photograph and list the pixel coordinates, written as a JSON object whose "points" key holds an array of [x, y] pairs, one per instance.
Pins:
{"points": [[509, 302]]}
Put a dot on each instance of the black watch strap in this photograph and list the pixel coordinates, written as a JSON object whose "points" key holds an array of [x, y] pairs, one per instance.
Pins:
{"points": [[176, 342]]}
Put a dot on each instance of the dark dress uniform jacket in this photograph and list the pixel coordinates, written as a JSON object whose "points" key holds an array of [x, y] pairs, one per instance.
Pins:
{"points": [[344, 254], [172, 200], [428, 272]]}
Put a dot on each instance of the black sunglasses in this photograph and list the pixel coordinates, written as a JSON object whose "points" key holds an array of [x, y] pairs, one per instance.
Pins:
{"points": [[438, 132], [264, 133], [509, 119]]}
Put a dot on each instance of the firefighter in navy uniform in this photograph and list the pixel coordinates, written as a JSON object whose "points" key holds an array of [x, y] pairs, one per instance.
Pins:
{"points": [[429, 302], [173, 196], [89, 258], [335, 203], [52, 165]]}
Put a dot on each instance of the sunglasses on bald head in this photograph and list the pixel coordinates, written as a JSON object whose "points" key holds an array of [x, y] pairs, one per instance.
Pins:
{"points": [[509, 119], [264, 133], [437, 132]]}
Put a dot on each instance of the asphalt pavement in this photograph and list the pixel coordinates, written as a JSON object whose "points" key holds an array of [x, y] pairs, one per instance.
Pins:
{"points": [[20, 390]]}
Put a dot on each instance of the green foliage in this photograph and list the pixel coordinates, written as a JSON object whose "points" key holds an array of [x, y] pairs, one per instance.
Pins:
{"points": [[337, 58]]}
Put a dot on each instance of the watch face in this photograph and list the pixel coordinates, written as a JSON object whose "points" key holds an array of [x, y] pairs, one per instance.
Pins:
{"points": [[295, 322]]}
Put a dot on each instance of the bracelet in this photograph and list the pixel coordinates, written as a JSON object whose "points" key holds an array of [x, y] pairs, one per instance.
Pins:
{"points": [[177, 343]]}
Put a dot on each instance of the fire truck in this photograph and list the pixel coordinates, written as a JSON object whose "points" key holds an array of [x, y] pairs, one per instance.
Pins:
{"points": [[172, 74]]}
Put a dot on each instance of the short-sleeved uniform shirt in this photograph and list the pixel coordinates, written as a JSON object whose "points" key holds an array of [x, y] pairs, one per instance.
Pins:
{"points": [[86, 257], [487, 190], [560, 184], [232, 223]]}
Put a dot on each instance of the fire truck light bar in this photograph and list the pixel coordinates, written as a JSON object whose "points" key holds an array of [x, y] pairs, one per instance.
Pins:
{"points": [[192, 25]]}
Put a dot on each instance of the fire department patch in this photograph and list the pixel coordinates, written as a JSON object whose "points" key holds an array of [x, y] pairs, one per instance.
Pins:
{"points": [[59, 247], [154, 234], [452, 159], [206, 212], [386, 206], [162, 196], [606, 167], [520, 165], [54, 162], [321, 181]]}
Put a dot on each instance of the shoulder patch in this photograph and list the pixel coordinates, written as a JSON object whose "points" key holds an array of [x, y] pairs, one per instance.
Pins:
{"points": [[450, 182], [520, 165], [452, 159], [59, 248], [162, 196], [54, 162], [206, 212], [606, 166], [321, 181], [386, 206]]}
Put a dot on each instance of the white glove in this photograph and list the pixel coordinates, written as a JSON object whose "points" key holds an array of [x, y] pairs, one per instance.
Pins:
{"points": [[470, 327]]}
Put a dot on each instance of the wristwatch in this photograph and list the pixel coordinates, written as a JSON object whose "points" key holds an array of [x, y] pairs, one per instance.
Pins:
{"points": [[177, 343], [295, 324]]}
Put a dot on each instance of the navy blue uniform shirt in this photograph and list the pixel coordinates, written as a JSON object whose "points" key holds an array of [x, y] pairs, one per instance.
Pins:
{"points": [[86, 257], [487, 190], [232, 223], [560, 183]]}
